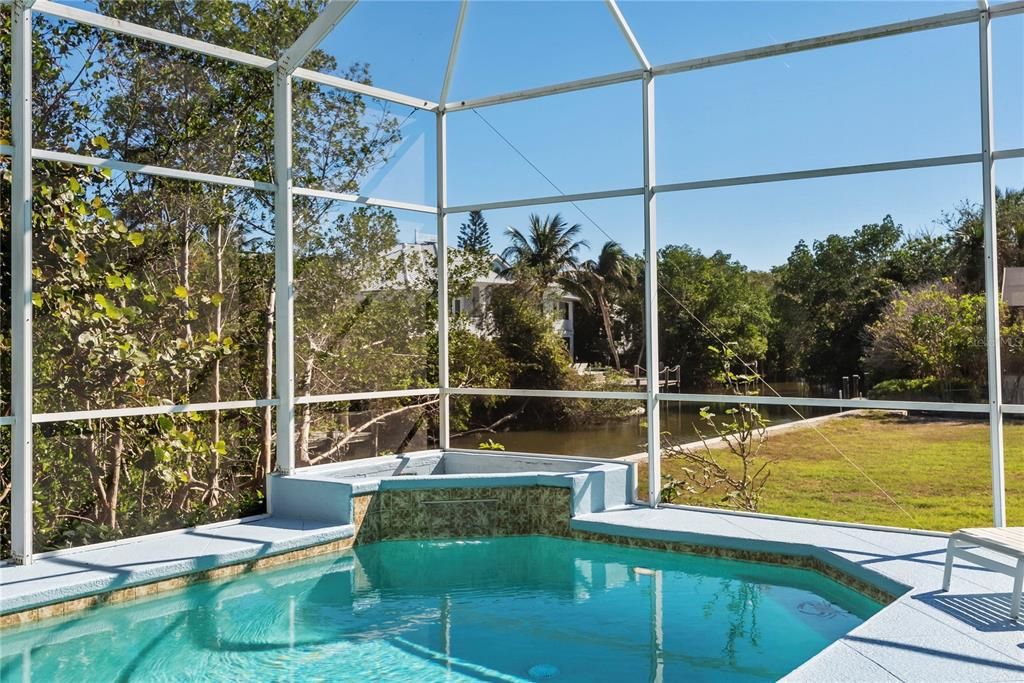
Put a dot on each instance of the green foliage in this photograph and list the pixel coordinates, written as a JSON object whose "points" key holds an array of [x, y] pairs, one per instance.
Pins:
{"points": [[548, 249], [490, 445], [917, 389], [729, 463], [598, 284], [706, 300], [825, 296], [931, 331], [153, 290], [475, 236], [523, 331]]}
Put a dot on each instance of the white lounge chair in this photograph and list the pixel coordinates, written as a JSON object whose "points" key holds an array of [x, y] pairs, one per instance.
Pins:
{"points": [[1008, 541]]}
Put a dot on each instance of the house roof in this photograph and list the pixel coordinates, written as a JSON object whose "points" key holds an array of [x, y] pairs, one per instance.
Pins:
{"points": [[415, 256], [1013, 287]]}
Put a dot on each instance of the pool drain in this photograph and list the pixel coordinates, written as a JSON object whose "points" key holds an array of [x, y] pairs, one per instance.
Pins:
{"points": [[543, 671]]}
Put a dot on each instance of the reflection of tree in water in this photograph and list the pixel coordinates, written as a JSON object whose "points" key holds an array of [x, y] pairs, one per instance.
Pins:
{"points": [[740, 600]]}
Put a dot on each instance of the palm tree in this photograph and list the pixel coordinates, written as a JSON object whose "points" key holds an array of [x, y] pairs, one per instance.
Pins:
{"points": [[548, 250], [596, 283]]}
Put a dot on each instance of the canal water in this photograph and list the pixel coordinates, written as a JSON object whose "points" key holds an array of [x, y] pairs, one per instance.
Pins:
{"points": [[616, 438]]}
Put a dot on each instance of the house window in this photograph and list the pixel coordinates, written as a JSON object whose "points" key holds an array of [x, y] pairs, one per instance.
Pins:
{"points": [[563, 310], [456, 306]]}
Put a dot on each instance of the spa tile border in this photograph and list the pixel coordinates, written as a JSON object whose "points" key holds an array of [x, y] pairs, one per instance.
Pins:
{"points": [[812, 563]]}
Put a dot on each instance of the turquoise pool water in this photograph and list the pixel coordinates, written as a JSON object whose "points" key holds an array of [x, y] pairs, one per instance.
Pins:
{"points": [[509, 609]]}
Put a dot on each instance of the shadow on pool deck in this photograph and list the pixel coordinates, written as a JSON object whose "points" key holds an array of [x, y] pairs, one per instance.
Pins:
{"points": [[987, 612]]}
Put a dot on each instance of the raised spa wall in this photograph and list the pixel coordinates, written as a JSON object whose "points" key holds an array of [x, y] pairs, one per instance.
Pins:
{"points": [[453, 495]]}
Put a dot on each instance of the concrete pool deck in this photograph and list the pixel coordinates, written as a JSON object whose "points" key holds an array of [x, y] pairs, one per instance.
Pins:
{"points": [[924, 635]]}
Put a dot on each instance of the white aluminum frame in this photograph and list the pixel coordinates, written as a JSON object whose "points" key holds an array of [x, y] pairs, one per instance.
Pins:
{"points": [[21, 282], [992, 319], [288, 66]]}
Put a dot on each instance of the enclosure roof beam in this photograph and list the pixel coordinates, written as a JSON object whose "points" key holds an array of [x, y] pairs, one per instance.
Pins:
{"points": [[453, 53], [324, 23], [634, 44], [830, 40], [127, 28], [774, 50], [363, 89], [367, 201]]}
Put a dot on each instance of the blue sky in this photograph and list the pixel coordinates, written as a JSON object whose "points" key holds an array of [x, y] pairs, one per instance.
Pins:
{"points": [[902, 97], [881, 100]]}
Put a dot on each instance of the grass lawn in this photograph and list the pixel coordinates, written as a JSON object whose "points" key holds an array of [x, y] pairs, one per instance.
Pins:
{"points": [[938, 471]]}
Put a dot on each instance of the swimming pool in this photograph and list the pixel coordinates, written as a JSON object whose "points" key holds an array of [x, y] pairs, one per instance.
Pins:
{"points": [[504, 609]]}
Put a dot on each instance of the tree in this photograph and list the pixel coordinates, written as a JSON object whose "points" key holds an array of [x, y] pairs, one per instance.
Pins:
{"points": [[475, 236], [931, 331], [598, 283], [705, 301], [965, 229], [548, 249], [825, 295], [155, 289]]}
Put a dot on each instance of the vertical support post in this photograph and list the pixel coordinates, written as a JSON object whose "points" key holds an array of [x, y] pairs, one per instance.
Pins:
{"points": [[995, 373], [651, 298], [284, 314], [21, 282], [443, 422]]}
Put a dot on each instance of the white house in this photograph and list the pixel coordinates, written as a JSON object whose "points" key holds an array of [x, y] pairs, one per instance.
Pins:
{"points": [[416, 259]]}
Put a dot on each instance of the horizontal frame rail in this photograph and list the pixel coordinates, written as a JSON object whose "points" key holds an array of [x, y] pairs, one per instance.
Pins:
{"points": [[810, 402], [366, 396], [1017, 153], [136, 411], [360, 199], [149, 169], [1006, 9], [828, 172], [550, 393], [551, 199]]}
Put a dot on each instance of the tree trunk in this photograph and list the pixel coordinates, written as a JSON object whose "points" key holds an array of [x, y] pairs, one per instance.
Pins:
{"points": [[307, 412], [114, 488], [212, 481], [606, 318], [267, 448]]}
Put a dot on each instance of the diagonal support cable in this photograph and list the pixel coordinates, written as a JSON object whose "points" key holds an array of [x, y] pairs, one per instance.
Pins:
{"points": [[706, 328]]}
